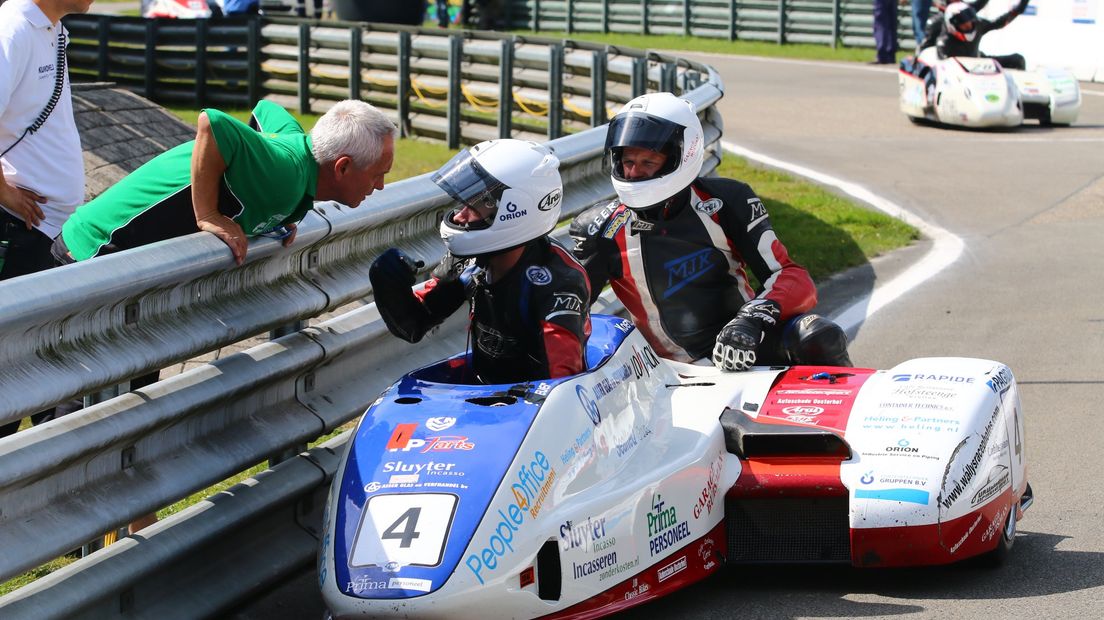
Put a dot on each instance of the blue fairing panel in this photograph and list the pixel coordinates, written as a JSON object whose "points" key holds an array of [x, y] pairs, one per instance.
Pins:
{"points": [[450, 444]]}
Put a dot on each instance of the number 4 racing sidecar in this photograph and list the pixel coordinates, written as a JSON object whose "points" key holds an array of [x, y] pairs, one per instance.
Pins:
{"points": [[978, 92], [582, 496]]}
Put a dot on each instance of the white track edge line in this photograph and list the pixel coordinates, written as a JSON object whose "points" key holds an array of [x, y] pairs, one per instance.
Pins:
{"points": [[945, 250]]}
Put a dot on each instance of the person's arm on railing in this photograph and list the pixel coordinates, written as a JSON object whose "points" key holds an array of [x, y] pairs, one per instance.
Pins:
{"points": [[208, 166]]}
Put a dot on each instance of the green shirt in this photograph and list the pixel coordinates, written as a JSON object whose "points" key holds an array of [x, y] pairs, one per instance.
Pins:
{"points": [[270, 180]]}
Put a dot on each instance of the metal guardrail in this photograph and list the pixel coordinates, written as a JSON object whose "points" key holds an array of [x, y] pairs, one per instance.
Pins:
{"points": [[824, 22], [81, 327]]}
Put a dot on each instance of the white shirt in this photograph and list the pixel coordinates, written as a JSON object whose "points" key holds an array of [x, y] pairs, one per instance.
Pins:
{"points": [[49, 161]]}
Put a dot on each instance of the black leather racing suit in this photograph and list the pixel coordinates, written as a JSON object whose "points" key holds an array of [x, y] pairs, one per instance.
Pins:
{"points": [[681, 270], [531, 323]]}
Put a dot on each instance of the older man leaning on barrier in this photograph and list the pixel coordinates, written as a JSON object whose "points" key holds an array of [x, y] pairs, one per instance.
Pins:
{"points": [[238, 181]]}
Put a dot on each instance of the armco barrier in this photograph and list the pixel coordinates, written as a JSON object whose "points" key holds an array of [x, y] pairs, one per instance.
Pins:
{"points": [[82, 327]]}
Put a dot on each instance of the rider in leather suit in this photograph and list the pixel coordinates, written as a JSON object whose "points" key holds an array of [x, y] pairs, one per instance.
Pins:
{"points": [[960, 31], [677, 248], [530, 318]]}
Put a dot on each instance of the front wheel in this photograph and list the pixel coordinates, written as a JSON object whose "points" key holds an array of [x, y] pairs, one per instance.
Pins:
{"points": [[999, 555]]}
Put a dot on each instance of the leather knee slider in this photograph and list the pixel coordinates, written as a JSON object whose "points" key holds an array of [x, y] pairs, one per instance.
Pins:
{"points": [[811, 339]]}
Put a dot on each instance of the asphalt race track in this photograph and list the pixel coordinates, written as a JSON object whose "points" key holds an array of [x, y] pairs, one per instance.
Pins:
{"points": [[1027, 290]]}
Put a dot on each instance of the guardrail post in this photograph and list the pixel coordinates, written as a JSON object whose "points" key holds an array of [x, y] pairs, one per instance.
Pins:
{"points": [[570, 15], [668, 77], [733, 32], [102, 51], [685, 18], [201, 63], [355, 46], [253, 53], [643, 16], [536, 15], [151, 65], [639, 79], [598, 88], [506, 88], [605, 16], [402, 106], [304, 68], [835, 23], [455, 57], [555, 90], [781, 22]]}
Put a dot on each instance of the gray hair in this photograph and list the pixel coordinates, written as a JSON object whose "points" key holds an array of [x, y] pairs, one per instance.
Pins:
{"points": [[354, 128]]}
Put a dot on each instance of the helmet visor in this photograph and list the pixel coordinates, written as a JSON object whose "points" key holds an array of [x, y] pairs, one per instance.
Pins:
{"points": [[468, 183], [642, 130]]}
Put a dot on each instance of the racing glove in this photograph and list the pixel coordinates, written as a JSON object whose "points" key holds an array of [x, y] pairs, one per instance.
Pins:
{"points": [[392, 274], [463, 270], [737, 341]]}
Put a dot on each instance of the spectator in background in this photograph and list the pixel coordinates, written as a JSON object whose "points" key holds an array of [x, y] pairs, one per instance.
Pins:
{"points": [[885, 32], [238, 181], [488, 14], [442, 14], [920, 10], [41, 161]]}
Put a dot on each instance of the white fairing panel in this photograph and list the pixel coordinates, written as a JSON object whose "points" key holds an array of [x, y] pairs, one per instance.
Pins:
{"points": [[934, 440]]}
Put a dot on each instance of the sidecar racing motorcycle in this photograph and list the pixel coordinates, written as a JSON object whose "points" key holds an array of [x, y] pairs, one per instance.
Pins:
{"points": [[582, 496], [978, 92]]}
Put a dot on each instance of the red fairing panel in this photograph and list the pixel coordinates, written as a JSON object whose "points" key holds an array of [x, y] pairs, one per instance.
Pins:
{"points": [[814, 395], [939, 543]]}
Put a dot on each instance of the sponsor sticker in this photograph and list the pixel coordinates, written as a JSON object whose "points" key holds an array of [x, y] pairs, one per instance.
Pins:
{"points": [[440, 424], [589, 406], [410, 583], [665, 530], [533, 483], [709, 207], [550, 200], [538, 275], [672, 569]]}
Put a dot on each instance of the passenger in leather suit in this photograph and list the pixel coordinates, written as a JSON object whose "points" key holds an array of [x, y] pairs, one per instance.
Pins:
{"points": [[528, 295], [677, 250]]}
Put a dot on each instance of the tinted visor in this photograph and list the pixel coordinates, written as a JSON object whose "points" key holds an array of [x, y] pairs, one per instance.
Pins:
{"points": [[469, 184], [644, 131]]}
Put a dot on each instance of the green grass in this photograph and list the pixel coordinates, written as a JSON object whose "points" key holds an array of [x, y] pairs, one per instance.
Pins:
{"points": [[675, 43], [824, 232]]}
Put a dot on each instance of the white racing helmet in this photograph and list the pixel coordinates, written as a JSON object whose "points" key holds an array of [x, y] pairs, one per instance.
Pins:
{"points": [[961, 21], [515, 184], [660, 122]]}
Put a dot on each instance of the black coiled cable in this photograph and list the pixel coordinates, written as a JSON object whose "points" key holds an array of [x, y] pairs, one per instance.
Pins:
{"points": [[59, 84]]}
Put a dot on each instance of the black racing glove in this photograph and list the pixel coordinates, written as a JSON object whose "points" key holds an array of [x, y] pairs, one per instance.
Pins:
{"points": [[394, 268], [737, 341], [392, 274], [462, 270]]}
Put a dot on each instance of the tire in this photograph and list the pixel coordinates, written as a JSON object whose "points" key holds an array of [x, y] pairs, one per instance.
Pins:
{"points": [[999, 556]]}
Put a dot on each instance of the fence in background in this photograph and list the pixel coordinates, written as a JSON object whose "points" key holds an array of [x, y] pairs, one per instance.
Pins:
{"points": [[458, 87], [83, 327], [825, 22]]}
